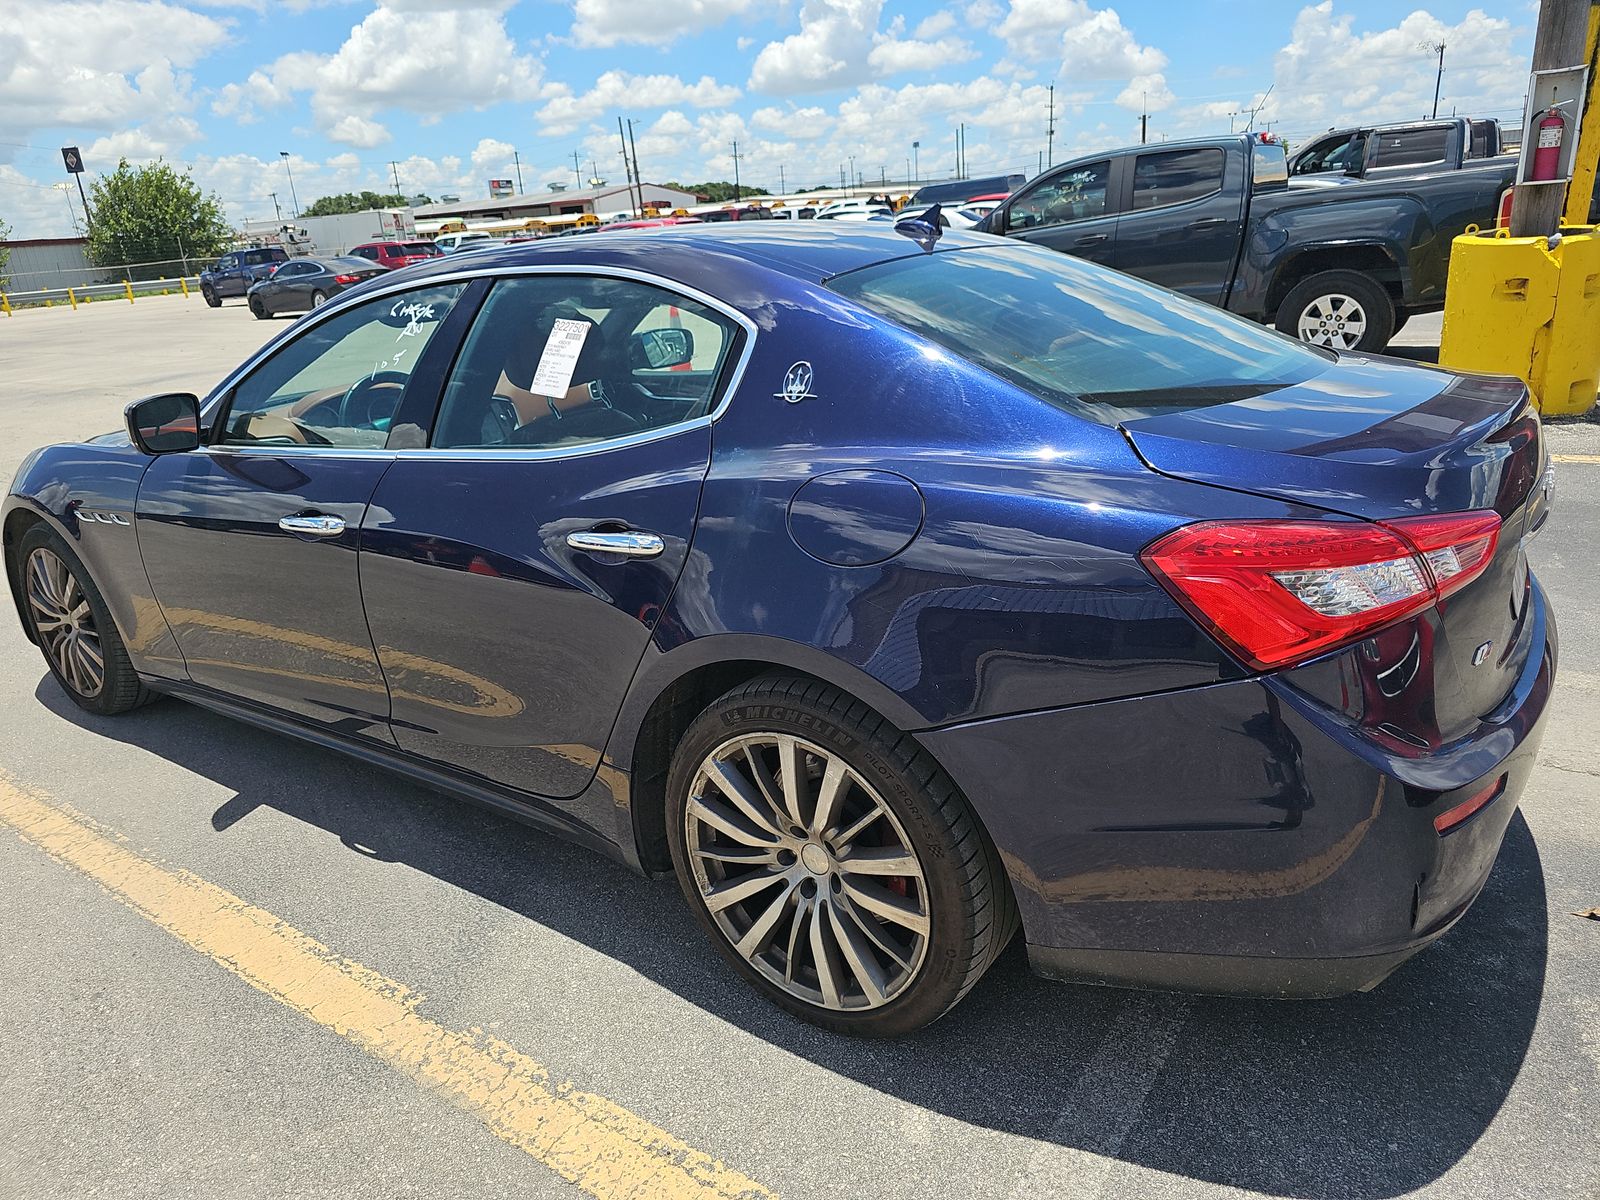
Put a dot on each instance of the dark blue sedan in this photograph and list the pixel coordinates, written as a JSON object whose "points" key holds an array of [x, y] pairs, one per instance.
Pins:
{"points": [[890, 591]]}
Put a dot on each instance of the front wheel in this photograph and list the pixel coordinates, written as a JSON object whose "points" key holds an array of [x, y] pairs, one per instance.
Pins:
{"points": [[1341, 310], [72, 626], [258, 309], [209, 295], [831, 860]]}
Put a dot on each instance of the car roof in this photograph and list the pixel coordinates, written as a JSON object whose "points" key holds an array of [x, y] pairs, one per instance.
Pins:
{"points": [[803, 251]]}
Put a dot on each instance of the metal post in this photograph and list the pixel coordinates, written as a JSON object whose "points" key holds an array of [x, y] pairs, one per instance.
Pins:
{"points": [[284, 154], [736, 171], [1050, 131], [1438, 81], [633, 148], [517, 159], [1561, 40]]}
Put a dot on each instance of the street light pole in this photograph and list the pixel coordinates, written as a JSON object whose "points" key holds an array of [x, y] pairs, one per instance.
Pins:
{"points": [[284, 154], [277, 212], [916, 161]]}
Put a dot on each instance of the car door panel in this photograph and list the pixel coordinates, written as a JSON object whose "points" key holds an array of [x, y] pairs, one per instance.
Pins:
{"points": [[1188, 245], [507, 651], [1074, 211], [258, 612]]}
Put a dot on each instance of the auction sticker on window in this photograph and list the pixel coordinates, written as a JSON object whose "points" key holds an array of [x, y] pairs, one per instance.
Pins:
{"points": [[560, 358]]}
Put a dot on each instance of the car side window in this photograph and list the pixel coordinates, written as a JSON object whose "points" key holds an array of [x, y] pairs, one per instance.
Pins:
{"points": [[1413, 147], [340, 382], [1075, 195], [560, 360], [226, 263], [1326, 155], [1175, 176]]}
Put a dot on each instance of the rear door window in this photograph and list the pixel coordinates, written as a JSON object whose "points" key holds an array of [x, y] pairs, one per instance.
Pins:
{"points": [[1412, 147], [1174, 176]]}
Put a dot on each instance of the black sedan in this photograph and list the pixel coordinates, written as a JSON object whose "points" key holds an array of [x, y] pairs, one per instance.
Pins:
{"points": [[306, 283]]}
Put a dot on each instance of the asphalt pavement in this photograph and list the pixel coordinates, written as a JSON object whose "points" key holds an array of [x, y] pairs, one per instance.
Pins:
{"points": [[235, 965]]}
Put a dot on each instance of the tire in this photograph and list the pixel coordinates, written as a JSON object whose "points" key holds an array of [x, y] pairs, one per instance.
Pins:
{"points": [[211, 298], [1342, 310], [258, 309], [57, 587], [1400, 319], [318, 299], [922, 858]]}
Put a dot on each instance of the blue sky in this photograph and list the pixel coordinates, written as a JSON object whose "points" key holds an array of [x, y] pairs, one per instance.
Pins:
{"points": [[450, 91]]}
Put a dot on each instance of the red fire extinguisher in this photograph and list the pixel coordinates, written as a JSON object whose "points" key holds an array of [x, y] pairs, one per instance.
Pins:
{"points": [[1550, 131]]}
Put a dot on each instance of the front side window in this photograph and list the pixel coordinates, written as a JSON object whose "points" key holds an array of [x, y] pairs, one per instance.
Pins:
{"points": [[1327, 155], [554, 361], [340, 382], [1174, 176], [226, 263], [1099, 344], [1075, 195]]}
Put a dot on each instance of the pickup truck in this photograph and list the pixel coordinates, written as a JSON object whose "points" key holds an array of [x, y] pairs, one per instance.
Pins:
{"points": [[1415, 148], [1219, 220], [237, 271]]}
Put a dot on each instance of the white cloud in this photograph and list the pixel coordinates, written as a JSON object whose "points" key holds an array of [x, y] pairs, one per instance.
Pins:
{"points": [[892, 57], [242, 100], [829, 51], [427, 57], [932, 27], [1092, 44], [616, 90], [118, 69], [649, 22]]}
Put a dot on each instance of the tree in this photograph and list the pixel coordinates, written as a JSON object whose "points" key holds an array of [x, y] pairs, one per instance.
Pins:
{"points": [[153, 214], [354, 202], [5, 251], [718, 191]]}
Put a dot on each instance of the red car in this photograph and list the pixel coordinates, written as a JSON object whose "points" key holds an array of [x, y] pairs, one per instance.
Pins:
{"points": [[394, 255]]}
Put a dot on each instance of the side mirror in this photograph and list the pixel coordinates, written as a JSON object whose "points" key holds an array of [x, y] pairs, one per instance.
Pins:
{"points": [[659, 349], [165, 424]]}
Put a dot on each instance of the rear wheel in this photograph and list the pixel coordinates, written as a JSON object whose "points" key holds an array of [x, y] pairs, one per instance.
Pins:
{"points": [[72, 626], [318, 299], [831, 860], [1342, 310], [258, 309], [209, 295]]}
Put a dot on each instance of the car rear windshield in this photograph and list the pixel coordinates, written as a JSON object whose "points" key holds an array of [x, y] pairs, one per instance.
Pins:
{"points": [[419, 247], [1091, 341], [254, 258]]}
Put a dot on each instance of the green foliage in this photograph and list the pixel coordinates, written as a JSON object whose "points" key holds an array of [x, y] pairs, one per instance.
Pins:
{"points": [[153, 214], [5, 251], [354, 202], [718, 191]]}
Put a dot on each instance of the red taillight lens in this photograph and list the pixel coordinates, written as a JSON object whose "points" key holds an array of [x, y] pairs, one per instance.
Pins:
{"points": [[347, 279], [1277, 592], [1457, 546]]}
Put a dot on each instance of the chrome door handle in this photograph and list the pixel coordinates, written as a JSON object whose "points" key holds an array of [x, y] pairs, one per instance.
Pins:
{"points": [[1091, 239], [312, 526], [630, 542]]}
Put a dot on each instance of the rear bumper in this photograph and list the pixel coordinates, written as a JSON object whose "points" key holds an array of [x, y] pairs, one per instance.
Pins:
{"points": [[1240, 838]]}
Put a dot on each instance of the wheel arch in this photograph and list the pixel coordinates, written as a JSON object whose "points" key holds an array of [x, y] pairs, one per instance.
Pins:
{"points": [[1367, 258], [15, 527], [678, 687]]}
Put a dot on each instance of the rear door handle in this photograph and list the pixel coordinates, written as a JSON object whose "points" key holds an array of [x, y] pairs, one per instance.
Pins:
{"points": [[312, 525], [1208, 222], [1091, 239], [631, 542]]}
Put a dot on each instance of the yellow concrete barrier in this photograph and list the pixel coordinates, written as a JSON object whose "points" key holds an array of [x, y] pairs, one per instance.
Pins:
{"points": [[127, 287], [5, 304], [1524, 307]]}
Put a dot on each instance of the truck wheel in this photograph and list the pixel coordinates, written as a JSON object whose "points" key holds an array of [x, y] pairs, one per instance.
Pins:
{"points": [[211, 297], [1342, 310]]}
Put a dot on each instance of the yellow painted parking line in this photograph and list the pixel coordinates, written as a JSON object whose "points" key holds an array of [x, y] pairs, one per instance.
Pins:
{"points": [[586, 1139], [1575, 458]]}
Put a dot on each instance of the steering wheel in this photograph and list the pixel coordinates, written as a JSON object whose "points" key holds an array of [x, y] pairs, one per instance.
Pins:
{"points": [[357, 400]]}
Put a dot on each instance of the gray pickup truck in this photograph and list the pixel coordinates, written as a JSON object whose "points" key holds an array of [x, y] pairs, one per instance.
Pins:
{"points": [[1413, 148], [1220, 220]]}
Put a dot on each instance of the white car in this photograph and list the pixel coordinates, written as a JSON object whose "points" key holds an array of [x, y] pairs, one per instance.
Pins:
{"points": [[451, 242], [853, 210]]}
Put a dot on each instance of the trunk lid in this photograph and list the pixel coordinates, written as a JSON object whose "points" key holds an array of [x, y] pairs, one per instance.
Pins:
{"points": [[1381, 440]]}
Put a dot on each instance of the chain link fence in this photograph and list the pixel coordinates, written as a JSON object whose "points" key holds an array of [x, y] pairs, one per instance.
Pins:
{"points": [[86, 284]]}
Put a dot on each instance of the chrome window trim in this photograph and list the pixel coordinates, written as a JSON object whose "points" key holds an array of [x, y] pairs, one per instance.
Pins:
{"points": [[316, 316]]}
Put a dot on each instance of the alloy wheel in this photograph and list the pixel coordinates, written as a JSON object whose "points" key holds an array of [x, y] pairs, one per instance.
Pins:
{"points": [[1336, 321], [65, 623], [807, 872], [318, 299]]}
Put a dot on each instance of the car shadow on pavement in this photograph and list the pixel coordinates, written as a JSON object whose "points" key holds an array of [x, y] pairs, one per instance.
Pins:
{"points": [[1367, 1096]]}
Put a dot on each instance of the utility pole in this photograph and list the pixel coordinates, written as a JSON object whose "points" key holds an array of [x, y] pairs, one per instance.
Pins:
{"points": [[638, 179], [783, 188], [1050, 131], [1560, 40], [916, 161], [627, 167], [577, 170], [1438, 79], [395, 167], [736, 157], [850, 190], [1144, 118], [283, 154], [278, 212], [517, 159]]}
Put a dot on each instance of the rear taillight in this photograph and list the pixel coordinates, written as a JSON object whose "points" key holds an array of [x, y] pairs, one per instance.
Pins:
{"points": [[347, 279], [1277, 592]]}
